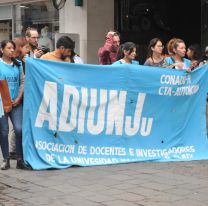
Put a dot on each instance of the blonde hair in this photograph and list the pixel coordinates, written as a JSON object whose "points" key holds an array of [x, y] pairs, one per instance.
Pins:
{"points": [[170, 44]]}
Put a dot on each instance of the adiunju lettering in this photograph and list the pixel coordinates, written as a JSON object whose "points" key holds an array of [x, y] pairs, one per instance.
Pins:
{"points": [[116, 109], [95, 110], [96, 127], [82, 110], [70, 92], [135, 120], [48, 107]]}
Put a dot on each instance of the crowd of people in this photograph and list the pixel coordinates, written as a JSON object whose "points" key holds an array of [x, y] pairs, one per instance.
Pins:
{"points": [[12, 69], [176, 57], [12, 60]]}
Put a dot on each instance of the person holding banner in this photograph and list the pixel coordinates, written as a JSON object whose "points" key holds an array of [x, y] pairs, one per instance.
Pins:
{"points": [[126, 54], [204, 59], [64, 51], [155, 56], [11, 70], [177, 60], [194, 54], [22, 49]]}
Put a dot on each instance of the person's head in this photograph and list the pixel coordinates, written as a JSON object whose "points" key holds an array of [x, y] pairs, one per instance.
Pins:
{"points": [[127, 50], [206, 51], [179, 48], [8, 48], [194, 52], [65, 47], [170, 46], [44, 31], [22, 47], [32, 37], [115, 39], [155, 46]]}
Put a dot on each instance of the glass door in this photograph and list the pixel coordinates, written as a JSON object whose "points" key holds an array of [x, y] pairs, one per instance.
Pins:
{"points": [[5, 29]]}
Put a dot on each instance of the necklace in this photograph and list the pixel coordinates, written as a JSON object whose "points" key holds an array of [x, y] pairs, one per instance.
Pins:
{"points": [[156, 61]]}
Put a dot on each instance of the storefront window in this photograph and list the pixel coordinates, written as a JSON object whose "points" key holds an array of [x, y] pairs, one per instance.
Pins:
{"points": [[5, 22], [41, 15]]}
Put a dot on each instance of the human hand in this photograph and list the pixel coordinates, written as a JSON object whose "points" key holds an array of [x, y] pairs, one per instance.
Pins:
{"points": [[16, 102], [110, 33], [7, 109], [194, 64], [188, 70], [38, 53], [24, 58]]}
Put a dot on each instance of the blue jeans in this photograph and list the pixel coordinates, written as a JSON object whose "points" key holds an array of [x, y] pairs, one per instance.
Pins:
{"points": [[16, 118]]}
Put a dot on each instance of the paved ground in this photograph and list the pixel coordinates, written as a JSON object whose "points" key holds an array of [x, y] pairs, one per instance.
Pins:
{"points": [[142, 184]]}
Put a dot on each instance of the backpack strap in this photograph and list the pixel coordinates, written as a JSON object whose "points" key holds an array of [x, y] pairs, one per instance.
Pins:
{"points": [[173, 60]]}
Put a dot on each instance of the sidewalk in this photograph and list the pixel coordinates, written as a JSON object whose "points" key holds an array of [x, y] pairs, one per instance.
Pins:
{"points": [[142, 184]]}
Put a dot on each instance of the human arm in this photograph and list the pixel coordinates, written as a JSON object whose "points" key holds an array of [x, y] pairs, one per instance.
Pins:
{"points": [[148, 62], [108, 46], [38, 53], [18, 99]]}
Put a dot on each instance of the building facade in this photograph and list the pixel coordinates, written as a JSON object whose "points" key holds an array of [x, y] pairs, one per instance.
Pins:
{"points": [[87, 21]]}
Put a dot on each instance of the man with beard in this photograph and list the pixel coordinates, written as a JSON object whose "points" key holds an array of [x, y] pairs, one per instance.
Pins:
{"points": [[108, 53], [32, 37], [64, 51]]}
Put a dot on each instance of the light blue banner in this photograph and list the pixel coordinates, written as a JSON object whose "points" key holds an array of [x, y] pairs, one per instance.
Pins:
{"points": [[96, 115]]}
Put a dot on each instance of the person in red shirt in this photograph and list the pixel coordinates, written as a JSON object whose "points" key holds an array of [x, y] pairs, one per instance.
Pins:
{"points": [[108, 53]]}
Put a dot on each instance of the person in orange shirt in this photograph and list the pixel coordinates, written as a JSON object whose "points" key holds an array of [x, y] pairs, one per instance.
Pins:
{"points": [[64, 51]]}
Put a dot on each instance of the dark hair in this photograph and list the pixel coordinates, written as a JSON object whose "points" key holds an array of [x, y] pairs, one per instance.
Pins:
{"points": [[196, 51], [152, 43], [116, 34], [3, 45], [66, 42], [127, 46]]}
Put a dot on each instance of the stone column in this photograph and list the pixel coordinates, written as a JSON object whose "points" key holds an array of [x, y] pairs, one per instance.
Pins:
{"points": [[91, 22]]}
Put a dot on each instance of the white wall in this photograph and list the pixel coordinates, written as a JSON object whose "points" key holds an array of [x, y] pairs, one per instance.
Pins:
{"points": [[91, 22]]}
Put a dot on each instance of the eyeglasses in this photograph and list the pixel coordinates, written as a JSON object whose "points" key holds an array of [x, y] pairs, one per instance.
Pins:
{"points": [[34, 37]]}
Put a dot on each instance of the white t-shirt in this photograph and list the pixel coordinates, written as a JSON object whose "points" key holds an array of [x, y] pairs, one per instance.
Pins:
{"points": [[78, 60]]}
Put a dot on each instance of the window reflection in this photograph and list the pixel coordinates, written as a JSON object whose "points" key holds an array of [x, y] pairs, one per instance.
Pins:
{"points": [[40, 15]]}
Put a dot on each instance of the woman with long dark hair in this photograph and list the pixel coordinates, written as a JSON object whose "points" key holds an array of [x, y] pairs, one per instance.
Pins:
{"points": [[194, 55], [11, 70], [127, 54], [155, 53]]}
